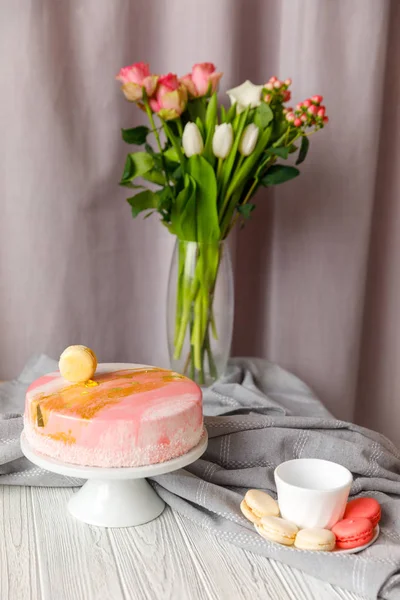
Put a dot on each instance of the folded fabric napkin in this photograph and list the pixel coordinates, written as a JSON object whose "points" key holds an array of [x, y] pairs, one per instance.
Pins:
{"points": [[258, 416]]}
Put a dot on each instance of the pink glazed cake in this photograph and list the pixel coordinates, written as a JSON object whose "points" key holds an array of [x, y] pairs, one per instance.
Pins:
{"points": [[129, 415]]}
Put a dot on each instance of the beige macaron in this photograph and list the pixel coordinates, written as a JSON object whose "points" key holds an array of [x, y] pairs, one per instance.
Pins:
{"points": [[315, 539], [257, 504], [278, 530], [77, 364]]}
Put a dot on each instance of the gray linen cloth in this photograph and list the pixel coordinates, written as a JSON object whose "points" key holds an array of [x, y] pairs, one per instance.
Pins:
{"points": [[258, 415]]}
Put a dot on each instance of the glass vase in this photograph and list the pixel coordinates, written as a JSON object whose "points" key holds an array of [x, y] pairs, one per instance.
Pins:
{"points": [[200, 310]]}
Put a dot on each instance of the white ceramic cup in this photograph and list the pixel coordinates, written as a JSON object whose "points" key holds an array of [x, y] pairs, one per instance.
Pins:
{"points": [[312, 492]]}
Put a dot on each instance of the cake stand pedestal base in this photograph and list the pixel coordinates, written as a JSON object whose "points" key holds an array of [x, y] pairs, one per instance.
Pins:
{"points": [[116, 503], [114, 497]]}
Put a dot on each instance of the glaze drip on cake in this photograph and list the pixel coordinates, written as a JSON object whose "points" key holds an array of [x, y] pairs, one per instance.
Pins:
{"points": [[128, 415]]}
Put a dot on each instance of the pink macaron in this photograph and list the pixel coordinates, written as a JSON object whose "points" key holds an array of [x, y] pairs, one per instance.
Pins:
{"points": [[368, 508], [352, 533]]}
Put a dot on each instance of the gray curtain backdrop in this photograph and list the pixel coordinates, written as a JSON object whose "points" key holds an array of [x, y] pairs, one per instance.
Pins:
{"points": [[317, 277]]}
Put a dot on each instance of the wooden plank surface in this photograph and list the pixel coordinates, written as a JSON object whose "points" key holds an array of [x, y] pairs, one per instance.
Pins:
{"points": [[47, 555], [18, 557], [76, 561], [154, 562], [235, 573]]}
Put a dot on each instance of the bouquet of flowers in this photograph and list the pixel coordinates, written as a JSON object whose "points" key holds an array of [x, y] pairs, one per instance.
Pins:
{"points": [[204, 167]]}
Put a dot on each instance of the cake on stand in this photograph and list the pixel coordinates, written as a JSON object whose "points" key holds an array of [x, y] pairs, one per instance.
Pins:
{"points": [[115, 497]]}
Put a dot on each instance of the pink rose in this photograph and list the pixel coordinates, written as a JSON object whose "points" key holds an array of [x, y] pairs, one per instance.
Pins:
{"points": [[202, 80], [134, 79], [170, 98]]}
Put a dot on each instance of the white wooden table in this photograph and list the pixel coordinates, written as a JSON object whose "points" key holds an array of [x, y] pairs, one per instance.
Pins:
{"points": [[45, 554]]}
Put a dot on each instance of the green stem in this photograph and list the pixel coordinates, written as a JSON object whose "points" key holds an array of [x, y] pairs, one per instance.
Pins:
{"points": [[213, 325], [179, 291], [192, 371], [180, 128], [247, 198], [219, 168], [213, 368], [189, 294], [175, 143], [158, 140]]}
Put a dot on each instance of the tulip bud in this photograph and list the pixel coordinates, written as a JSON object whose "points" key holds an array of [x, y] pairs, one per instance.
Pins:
{"points": [[304, 118], [269, 86], [312, 110], [297, 122], [307, 103], [277, 85], [222, 140], [321, 111], [267, 97], [325, 119], [249, 139], [286, 96], [288, 82], [299, 106], [290, 117], [273, 79], [192, 141]]}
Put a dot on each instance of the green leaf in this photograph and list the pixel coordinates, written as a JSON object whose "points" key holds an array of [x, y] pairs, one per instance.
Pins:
{"points": [[137, 135], [206, 199], [231, 114], [211, 120], [263, 115], [163, 199], [149, 149], [154, 176], [183, 212], [246, 210], [222, 113], [230, 159], [178, 173], [211, 114], [196, 109], [142, 201], [200, 125], [171, 155], [282, 152], [175, 140], [136, 165], [279, 174], [304, 146], [133, 186], [250, 163], [128, 170], [279, 132], [292, 148]]}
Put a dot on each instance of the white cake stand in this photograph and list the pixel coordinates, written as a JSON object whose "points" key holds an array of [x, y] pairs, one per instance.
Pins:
{"points": [[114, 497]]}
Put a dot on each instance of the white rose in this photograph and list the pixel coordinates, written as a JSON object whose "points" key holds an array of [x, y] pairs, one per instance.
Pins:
{"points": [[244, 95]]}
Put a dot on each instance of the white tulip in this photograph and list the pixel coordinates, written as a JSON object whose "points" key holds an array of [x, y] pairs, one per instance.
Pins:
{"points": [[249, 139], [222, 140], [192, 141], [244, 95]]}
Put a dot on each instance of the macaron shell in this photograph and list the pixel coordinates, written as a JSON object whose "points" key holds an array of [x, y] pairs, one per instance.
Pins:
{"points": [[261, 504], [369, 508], [315, 538], [248, 513], [77, 364], [351, 533], [278, 530]]}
